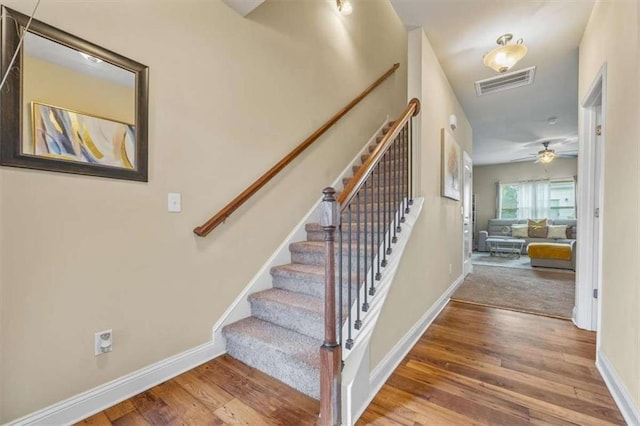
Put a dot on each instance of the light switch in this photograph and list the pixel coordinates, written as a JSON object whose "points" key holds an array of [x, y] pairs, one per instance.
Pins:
{"points": [[174, 202]]}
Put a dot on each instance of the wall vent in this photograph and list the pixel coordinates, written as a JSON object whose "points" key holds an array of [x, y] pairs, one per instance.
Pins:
{"points": [[505, 81]]}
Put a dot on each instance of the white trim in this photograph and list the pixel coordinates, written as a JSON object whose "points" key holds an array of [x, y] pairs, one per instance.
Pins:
{"points": [[387, 366], [467, 267], [621, 396], [93, 401], [262, 280], [586, 254]]}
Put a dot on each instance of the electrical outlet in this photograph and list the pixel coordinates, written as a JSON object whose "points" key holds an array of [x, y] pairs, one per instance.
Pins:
{"points": [[103, 342], [450, 268]]}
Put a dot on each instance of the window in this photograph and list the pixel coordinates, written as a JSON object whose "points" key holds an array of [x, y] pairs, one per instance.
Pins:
{"points": [[537, 199]]}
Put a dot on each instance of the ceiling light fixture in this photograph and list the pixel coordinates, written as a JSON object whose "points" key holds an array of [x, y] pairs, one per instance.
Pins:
{"points": [[546, 155], [502, 58], [344, 7]]}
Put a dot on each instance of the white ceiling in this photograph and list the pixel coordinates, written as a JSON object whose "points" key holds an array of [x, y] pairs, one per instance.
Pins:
{"points": [[59, 54], [505, 123]]}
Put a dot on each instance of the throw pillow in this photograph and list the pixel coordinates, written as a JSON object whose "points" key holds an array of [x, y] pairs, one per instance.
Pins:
{"points": [[519, 231], [557, 231], [537, 228]]}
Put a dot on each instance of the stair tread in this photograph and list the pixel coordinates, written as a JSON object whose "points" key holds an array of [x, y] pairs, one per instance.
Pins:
{"points": [[303, 348], [290, 298], [319, 246], [296, 269]]}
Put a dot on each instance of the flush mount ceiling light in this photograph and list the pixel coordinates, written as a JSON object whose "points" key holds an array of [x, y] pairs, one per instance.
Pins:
{"points": [[502, 58], [344, 7]]}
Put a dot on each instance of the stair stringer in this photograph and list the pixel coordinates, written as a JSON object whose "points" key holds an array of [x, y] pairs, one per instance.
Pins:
{"points": [[241, 308], [356, 371]]}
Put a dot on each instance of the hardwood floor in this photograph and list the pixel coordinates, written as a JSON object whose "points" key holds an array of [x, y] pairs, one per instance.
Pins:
{"points": [[481, 365], [475, 365], [219, 392]]}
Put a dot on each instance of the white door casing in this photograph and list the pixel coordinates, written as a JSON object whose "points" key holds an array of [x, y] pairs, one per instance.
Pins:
{"points": [[590, 195], [467, 225]]}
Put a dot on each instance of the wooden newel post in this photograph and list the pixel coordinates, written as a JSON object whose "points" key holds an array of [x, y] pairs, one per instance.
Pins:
{"points": [[330, 352]]}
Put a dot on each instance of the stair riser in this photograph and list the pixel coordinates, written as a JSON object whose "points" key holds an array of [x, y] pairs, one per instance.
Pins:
{"points": [[277, 364], [319, 236], [398, 165], [299, 320], [311, 287], [311, 258]]}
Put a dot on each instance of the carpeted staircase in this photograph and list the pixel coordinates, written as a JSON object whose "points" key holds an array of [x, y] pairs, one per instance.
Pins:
{"points": [[283, 336]]}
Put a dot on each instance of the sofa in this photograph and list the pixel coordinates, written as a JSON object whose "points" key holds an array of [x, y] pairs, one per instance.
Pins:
{"points": [[501, 228]]}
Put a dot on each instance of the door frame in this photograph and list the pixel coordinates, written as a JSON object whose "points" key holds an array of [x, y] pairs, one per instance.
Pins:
{"points": [[586, 312], [466, 159]]}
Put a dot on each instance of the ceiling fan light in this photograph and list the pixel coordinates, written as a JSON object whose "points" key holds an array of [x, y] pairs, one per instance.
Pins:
{"points": [[504, 57], [546, 156]]}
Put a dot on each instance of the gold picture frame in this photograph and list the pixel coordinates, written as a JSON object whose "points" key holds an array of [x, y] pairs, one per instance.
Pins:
{"points": [[450, 166]]}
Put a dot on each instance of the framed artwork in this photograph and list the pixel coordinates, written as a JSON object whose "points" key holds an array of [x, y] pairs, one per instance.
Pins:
{"points": [[67, 135], [450, 166]]}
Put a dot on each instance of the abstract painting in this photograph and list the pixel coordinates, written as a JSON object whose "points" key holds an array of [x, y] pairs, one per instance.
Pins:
{"points": [[450, 167], [66, 135]]}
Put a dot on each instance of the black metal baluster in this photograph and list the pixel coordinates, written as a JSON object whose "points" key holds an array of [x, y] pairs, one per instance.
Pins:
{"points": [[349, 343], [388, 206], [410, 163], [403, 174], [394, 170], [376, 203], [340, 283], [398, 183], [385, 249], [358, 322], [374, 232], [365, 305]]}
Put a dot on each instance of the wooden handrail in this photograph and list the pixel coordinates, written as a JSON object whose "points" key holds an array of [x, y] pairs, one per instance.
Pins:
{"points": [[350, 191], [204, 229]]}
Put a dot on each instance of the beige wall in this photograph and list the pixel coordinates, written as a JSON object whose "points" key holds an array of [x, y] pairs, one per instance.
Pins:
{"points": [[486, 177], [229, 97], [436, 242], [610, 23], [52, 84]]}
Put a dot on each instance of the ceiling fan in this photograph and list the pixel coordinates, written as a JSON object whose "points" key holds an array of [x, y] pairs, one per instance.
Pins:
{"points": [[547, 155]]}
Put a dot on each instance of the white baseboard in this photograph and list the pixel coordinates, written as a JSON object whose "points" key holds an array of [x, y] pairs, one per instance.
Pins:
{"points": [[93, 401], [387, 366], [629, 410]]}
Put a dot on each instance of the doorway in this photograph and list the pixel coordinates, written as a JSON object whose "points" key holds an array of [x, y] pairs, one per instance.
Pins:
{"points": [[590, 204]]}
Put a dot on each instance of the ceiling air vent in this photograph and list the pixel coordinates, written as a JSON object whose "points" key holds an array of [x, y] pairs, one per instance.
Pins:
{"points": [[505, 81]]}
